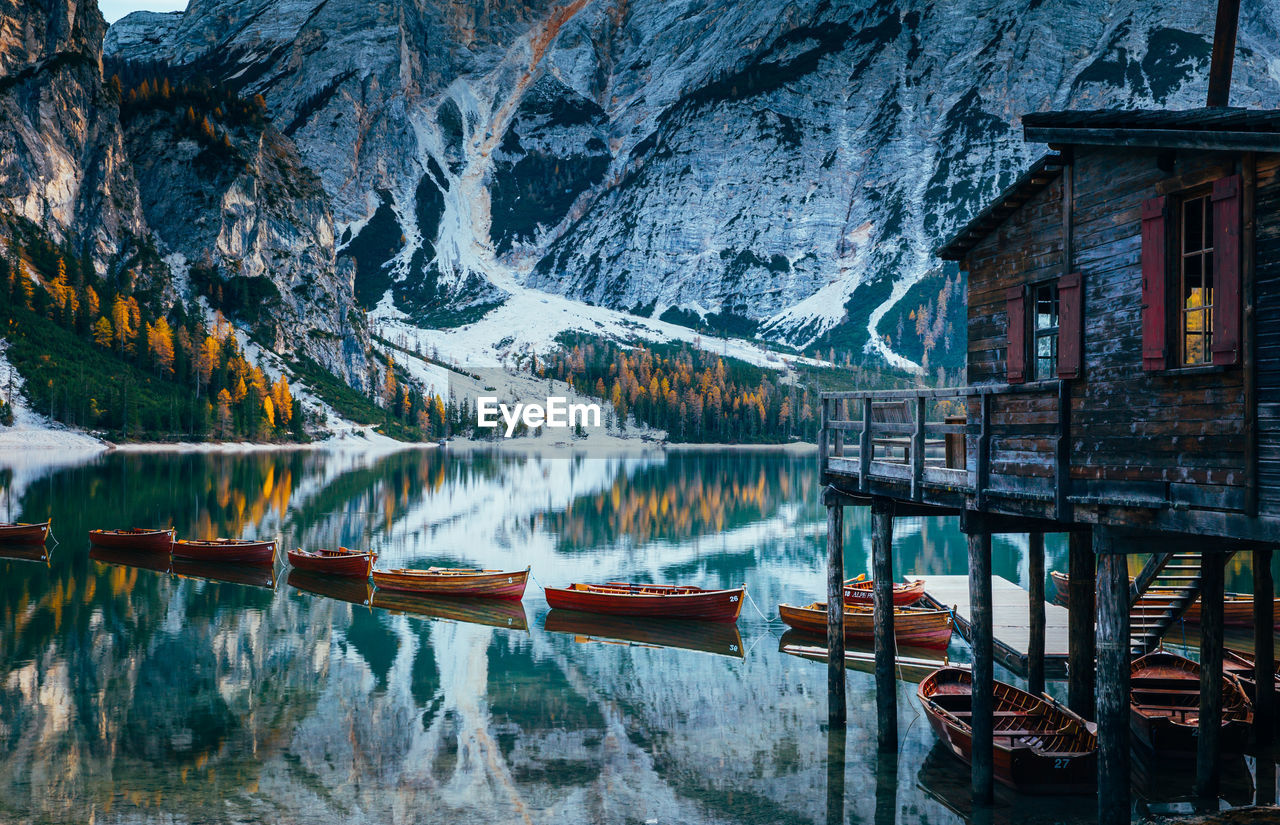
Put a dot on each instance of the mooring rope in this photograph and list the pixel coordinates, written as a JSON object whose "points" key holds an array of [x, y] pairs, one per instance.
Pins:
{"points": [[756, 607]]}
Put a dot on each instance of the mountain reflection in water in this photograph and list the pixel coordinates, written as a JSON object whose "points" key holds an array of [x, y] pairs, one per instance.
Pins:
{"points": [[132, 690]]}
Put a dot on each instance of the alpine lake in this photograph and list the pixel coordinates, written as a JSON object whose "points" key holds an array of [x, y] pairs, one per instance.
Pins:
{"points": [[132, 691]]}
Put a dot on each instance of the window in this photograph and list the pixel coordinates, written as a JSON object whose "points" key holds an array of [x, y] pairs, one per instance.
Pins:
{"points": [[1044, 332], [1195, 280]]}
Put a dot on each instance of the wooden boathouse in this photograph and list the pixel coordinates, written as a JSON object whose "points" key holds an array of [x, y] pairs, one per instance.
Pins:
{"points": [[1123, 388]]}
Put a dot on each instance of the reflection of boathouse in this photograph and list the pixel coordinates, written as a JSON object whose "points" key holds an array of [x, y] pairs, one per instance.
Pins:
{"points": [[1124, 388]]}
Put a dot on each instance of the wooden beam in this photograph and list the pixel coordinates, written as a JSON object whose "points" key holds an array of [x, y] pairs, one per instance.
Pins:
{"points": [[1080, 638], [982, 473], [917, 450], [1204, 139], [836, 708], [824, 415], [1112, 682], [864, 446], [982, 763], [1264, 651], [1035, 606], [1224, 53], [882, 610], [988, 522], [1210, 725]]}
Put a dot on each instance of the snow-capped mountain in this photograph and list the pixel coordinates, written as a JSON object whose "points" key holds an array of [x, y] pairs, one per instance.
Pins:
{"points": [[785, 168]]}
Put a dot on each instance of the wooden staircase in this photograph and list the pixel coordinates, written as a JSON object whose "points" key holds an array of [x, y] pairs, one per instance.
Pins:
{"points": [[1166, 587]]}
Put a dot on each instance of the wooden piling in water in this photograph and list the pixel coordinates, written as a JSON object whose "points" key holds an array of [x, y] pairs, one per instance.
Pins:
{"points": [[1112, 677], [836, 709], [882, 610], [1210, 724], [1035, 599], [1080, 634], [1264, 658], [982, 722], [836, 735]]}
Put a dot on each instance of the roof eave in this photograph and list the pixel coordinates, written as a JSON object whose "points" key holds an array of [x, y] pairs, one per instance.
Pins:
{"points": [[1040, 174], [1206, 140]]}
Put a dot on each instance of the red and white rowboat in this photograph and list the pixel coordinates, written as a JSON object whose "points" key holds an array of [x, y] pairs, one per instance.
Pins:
{"points": [[232, 551], [659, 601], [340, 562], [446, 581]]}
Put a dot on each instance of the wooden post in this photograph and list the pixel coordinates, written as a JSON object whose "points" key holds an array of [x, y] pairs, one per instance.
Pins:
{"points": [[1210, 727], [982, 473], [835, 774], [836, 713], [864, 445], [1264, 651], [1112, 680], [1265, 781], [981, 723], [837, 447], [886, 789], [882, 610], [917, 451], [824, 414], [1035, 597], [1080, 639]]}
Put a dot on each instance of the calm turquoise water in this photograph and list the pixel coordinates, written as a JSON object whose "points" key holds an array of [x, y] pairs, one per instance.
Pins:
{"points": [[136, 695]]}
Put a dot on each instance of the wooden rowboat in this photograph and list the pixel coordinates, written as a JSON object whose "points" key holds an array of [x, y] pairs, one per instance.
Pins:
{"points": [[654, 601], [340, 588], [229, 551], [1237, 608], [1040, 746], [1241, 666], [147, 540], [1164, 705], [453, 581], [253, 575], [861, 591], [144, 559], [503, 613], [912, 626], [720, 638], [910, 664], [25, 552], [340, 562], [17, 532]]}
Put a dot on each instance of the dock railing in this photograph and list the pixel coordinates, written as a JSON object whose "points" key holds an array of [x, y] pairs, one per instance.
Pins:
{"points": [[1006, 440]]}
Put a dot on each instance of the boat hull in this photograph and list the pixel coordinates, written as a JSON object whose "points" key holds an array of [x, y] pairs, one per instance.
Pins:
{"points": [[350, 565], [495, 584], [145, 541], [704, 605], [250, 553], [1039, 747], [913, 627], [1164, 706], [720, 638], [24, 533], [904, 595], [502, 613]]}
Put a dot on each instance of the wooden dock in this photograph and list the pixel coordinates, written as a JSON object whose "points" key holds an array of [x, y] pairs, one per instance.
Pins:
{"points": [[1012, 627]]}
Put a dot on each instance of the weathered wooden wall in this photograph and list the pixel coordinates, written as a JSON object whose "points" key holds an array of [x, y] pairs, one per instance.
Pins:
{"points": [[1173, 436], [1267, 315]]}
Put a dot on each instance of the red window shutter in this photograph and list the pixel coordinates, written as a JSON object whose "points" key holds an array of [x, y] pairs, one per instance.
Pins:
{"points": [[1154, 285], [1016, 358], [1070, 325], [1226, 270]]}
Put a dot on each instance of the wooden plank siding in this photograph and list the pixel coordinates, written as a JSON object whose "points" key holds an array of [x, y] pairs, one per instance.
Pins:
{"points": [[1151, 432], [1267, 326]]}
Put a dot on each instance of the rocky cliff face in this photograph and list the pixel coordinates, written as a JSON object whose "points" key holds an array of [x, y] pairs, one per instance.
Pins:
{"points": [[62, 162], [247, 223], [782, 169], [108, 176]]}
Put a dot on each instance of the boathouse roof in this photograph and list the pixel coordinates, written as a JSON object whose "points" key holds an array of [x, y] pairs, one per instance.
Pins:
{"points": [[1219, 128]]}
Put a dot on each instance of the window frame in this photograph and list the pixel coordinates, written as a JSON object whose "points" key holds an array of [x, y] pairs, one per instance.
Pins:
{"points": [[1176, 258], [1034, 333]]}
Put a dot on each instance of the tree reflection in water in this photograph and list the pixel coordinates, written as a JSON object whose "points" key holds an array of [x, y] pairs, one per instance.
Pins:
{"points": [[131, 693]]}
